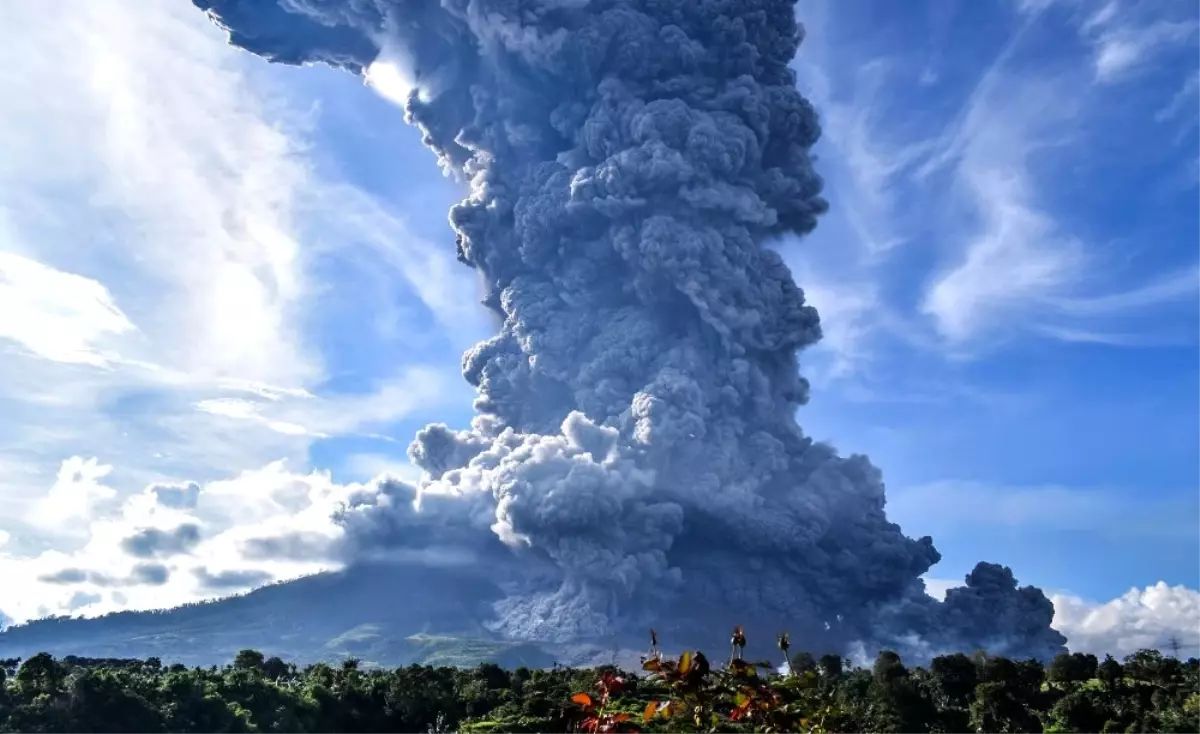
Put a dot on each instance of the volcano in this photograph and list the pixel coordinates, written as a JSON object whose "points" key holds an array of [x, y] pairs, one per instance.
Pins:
{"points": [[630, 170]]}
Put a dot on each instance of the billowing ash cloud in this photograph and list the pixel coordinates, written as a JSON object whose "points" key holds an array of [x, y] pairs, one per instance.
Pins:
{"points": [[635, 456]]}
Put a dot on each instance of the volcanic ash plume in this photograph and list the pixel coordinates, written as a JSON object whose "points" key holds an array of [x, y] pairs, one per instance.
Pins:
{"points": [[635, 457]]}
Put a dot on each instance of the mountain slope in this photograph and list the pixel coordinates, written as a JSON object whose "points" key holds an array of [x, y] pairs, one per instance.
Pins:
{"points": [[384, 614]]}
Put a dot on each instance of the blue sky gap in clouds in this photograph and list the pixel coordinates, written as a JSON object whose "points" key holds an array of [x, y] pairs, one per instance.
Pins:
{"points": [[209, 264]]}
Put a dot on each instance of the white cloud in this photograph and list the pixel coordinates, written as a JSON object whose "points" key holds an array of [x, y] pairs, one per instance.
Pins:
{"points": [[864, 159], [1183, 101], [1015, 267], [320, 416], [1148, 618], [1034, 7], [267, 503], [1123, 36], [147, 165], [1006, 264], [1139, 619], [1182, 285], [937, 588], [850, 313], [390, 249], [147, 180], [1013, 252], [77, 493], [247, 410], [973, 189], [1016, 256], [56, 315], [373, 465], [1101, 18], [165, 243], [1182, 114], [1113, 338], [1122, 49], [869, 164], [160, 151]]}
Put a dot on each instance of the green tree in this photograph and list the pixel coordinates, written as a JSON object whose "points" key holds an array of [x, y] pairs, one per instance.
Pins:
{"points": [[898, 702], [275, 668], [831, 666], [956, 676], [41, 675], [251, 660], [1071, 668], [995, 709], [1110, 673], [803, 662], [888, 668], [1080, 710], [956, 693]]}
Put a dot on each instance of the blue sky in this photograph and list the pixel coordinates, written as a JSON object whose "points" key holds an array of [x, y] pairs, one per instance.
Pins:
{"points": [[217, 271], [1012, 256]]}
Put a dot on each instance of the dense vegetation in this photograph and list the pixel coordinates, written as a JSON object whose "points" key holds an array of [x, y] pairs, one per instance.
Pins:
{"points": [[1075, 693]]}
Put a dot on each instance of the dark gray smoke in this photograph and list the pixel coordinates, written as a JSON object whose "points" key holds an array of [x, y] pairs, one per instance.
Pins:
{"points": [[636, 457]]}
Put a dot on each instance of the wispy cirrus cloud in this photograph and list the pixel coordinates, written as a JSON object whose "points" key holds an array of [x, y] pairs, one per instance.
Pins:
{"points": [[1126, 37], [317, 416], [949, 223], [1123, 36], [169, 247], [56, 315], [841, 265], [155, 148], [1019, 265], [1183, 102], [1017, 251], [1181, 115]]}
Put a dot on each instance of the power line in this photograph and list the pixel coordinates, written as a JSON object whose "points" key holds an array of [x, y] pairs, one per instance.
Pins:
{"points": [[1176, 645]]}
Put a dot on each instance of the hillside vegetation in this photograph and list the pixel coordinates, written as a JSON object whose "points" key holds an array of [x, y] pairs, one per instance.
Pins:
{"points": [[1075, 693], [326, 617]]}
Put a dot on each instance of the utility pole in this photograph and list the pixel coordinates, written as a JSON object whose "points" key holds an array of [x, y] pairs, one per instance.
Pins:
{"points": [[1174, 645]]}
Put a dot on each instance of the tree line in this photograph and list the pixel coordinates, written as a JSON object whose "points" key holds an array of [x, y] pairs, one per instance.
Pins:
{"points": [[1146, 692]]}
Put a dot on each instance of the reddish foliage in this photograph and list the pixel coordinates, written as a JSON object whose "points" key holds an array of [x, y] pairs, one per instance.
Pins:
{"points": [[596, 720], [708, 697]]}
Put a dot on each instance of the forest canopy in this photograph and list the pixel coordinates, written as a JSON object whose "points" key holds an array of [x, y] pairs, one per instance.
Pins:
{"points": [[1076, 692]]}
